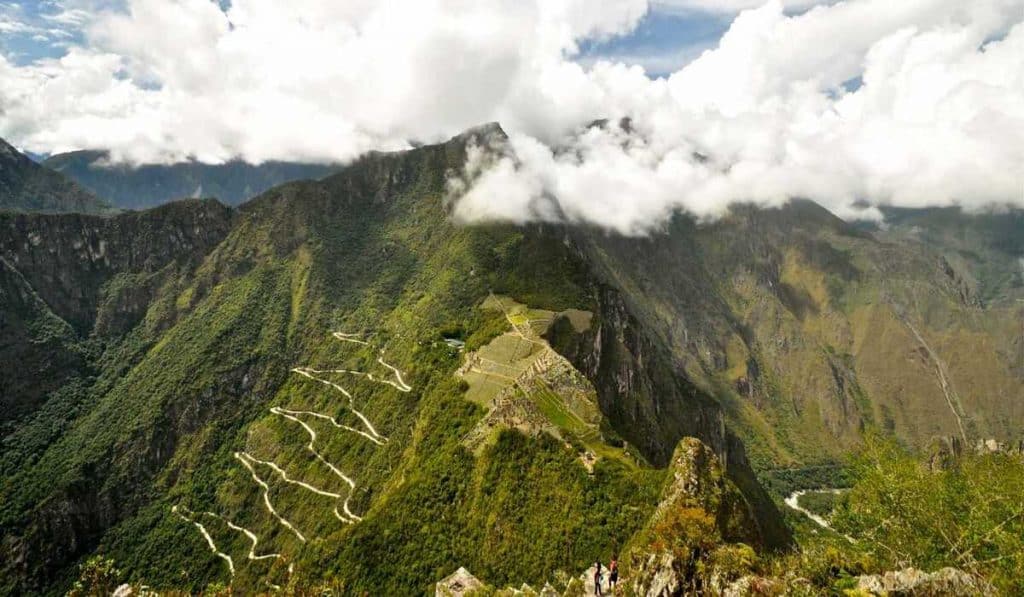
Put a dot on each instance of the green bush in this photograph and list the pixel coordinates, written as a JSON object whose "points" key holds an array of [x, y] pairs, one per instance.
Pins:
{"points": [[98, 577]]}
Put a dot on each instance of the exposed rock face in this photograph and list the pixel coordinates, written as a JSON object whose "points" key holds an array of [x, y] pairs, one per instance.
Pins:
{"points": [[460, 583], [660, 575], [638, 387], [808, 329], [43, 345], [943, 452], [653, 405], [915, 583], [787, 311], [68, 282], [750, 586], [696, 478], [69, 258], [64, 277]]}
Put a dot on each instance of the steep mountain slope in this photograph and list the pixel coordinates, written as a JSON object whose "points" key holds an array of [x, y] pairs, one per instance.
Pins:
{"points": [[987, 245], [139, 187], [74, 283], [293, 395], [28, 186], [810, 331]]}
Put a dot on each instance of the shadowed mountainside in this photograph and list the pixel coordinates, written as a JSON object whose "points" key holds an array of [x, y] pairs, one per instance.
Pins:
{"points": [[28, 186]]}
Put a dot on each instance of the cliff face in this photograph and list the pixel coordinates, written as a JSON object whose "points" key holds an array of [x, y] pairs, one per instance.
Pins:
{"points": [[653, 406], [700, 512], [70, 259], [40, 350], [69, 281]]}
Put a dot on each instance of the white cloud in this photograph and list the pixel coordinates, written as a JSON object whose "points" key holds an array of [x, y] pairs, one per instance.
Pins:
{"points": [[939, 117], [728, 6], [305, 79]]}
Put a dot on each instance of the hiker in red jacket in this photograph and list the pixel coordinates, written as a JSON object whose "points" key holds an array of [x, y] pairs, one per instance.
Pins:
{"points": [[613, 574]]}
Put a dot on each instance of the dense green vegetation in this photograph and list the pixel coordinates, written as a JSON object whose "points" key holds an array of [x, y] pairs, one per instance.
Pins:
{"points": [[782, 482], [178, 394], [822, 503], [968, 516], [27, 186], [900, 513]]}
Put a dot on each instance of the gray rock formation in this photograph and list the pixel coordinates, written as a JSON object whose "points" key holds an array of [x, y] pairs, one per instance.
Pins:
{"points": [[911, 582], [458, 584]]}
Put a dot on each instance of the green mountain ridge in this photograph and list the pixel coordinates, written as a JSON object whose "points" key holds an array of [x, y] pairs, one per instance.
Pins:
{"points": [[292, 359], [28, 186]]}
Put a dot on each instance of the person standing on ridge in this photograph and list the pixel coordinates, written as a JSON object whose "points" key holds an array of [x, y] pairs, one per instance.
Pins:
{"points": [[613, 573], [597, 578]]}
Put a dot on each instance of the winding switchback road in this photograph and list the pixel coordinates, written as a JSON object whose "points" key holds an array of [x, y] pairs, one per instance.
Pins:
{"points": [[349, 517], [243, 458], [206, 535], [368, 432]]}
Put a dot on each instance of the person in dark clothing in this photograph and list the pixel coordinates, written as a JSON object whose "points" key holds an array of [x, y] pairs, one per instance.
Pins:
{"points": [[598, 577], [613, 573]]}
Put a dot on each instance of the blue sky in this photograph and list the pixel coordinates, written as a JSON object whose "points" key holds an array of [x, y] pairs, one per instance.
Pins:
{"points": [[664, 40], [33, 29]]}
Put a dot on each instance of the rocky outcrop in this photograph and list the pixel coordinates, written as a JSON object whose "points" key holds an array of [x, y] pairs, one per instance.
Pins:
{"points": [[653, 405], [660, 575], [697, 489], [463, 584], [751, 586], [911, 582], [698, 480], [944, 452], [459, 584]]}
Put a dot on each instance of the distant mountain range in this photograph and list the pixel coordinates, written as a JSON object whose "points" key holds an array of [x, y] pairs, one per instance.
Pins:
{"points": [[139, 187]]}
